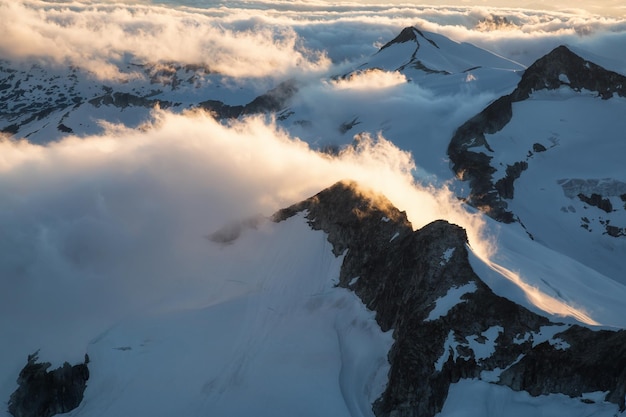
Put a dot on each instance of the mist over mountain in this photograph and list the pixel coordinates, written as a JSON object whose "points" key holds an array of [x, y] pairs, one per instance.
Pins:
{"points": [[348, 210]]}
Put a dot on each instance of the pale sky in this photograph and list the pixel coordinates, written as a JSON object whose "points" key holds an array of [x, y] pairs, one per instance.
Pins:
{"points": [[613, 8]]}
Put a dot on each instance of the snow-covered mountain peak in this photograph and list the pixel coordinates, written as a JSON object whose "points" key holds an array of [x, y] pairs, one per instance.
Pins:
{"points": [[439, 63], [432, 53], [409, 34], [549, 155]]}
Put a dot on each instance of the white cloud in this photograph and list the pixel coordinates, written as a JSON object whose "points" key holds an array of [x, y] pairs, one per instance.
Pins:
{"points": [[278, 38], [370, 80], [97, 37], [97, 228], [111, 223]]}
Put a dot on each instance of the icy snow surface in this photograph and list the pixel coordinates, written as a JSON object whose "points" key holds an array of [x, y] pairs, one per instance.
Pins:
{"points": [[584, 140], [268, 326], [471, 398]]}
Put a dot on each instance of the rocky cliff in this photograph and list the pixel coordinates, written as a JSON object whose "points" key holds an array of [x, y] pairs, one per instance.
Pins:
{"points": [[447, 323]]}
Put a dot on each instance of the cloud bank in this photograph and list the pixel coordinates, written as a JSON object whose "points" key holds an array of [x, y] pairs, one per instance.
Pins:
{"points": [[279, 39], [98, 228], [97, 37]]}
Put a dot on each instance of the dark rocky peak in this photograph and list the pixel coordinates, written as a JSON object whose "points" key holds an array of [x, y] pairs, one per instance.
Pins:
{"points": [[409, 34], [403, 275], [353, 207], [272, 101], [563, 67]]}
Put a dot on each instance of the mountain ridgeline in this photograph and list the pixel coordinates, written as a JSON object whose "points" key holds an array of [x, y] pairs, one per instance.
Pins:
{"points": [[44, 104], [403, 274]]}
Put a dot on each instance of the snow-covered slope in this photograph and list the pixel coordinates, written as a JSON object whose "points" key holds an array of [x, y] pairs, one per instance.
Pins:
{"points": [[264, 333], [269, 328], [550, 155]]}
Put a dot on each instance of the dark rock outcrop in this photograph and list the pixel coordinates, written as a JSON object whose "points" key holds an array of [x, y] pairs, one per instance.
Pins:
{"points": [[123, 100], [563, 67], [598, 193], [409, 34], [505, 185], [595, 361], [43, 393], [559, 67], [401, 276], [272, 101], [596, 200]]}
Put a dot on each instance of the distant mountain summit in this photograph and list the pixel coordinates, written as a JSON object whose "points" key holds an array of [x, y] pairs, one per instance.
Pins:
{"points": [[444, 65], [409, 34]]}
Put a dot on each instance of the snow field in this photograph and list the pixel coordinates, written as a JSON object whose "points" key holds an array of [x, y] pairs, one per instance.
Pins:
{"points": [[274, 331]]}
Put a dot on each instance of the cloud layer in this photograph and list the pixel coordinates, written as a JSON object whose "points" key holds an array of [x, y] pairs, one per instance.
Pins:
{"points": [[259, 39], [98, 228], [98, 37]]}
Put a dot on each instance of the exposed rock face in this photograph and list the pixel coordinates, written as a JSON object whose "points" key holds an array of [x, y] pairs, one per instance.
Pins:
{"points": [[409, 34], [403, 274], [272, 101], [563, 67], [44, 393], [560, 67], [597, 201], [123, 100]]}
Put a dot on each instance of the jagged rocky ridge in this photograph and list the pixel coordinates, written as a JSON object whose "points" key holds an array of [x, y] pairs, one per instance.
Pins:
{"points": [[400, 274], [43, 393], [559, 67]]}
